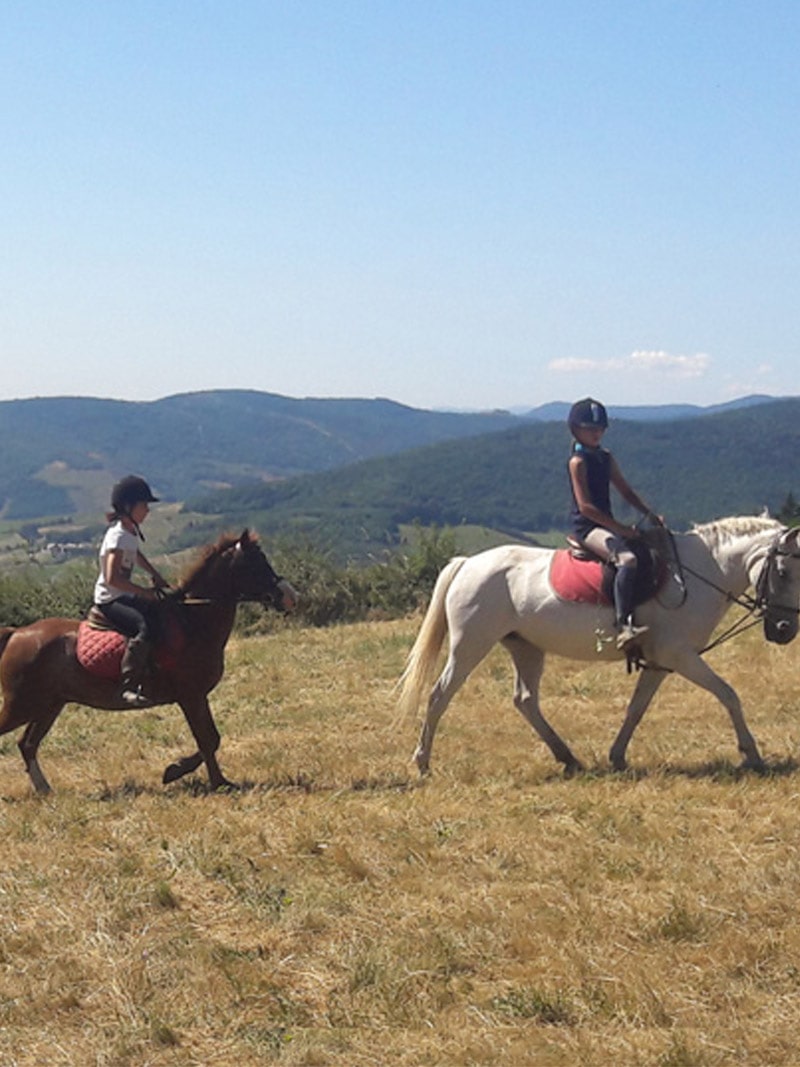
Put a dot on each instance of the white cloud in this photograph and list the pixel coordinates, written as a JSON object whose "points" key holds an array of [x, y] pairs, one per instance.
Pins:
{"points": [[673, 366], [677, 366]]}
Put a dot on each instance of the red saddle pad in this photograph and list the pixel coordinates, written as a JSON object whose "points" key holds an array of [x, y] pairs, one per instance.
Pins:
{"points": [[577, 579], [100, 651]]}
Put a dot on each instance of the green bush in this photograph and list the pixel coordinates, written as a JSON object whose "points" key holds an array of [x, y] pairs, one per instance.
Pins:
{"points": [[31, 593], [388, 587]]}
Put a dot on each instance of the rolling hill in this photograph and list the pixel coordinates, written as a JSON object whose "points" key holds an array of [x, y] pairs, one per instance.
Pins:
{"points": [[733, 462], [61, 455], [350, 474]]}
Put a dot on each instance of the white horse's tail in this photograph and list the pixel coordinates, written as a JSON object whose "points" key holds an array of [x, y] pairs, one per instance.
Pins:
{"points": [[421, 663]]}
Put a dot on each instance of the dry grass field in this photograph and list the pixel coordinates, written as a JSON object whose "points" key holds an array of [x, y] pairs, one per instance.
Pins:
{"points": [[336, 911]]}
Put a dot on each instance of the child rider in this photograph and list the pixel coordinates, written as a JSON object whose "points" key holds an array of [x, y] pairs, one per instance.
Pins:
{"points": [[592, 471], [125, 604]]}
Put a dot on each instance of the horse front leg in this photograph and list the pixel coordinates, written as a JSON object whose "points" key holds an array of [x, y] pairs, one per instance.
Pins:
{"points": [[204, 730], [529, 663], [649, 681], [696, 670], [185, 765]]}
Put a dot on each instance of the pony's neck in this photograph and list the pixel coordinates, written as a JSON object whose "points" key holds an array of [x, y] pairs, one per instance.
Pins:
{"points": [[738, 546], [211, 576]]}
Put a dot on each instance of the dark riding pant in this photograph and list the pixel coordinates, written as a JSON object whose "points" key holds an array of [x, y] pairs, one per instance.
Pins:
{"points": [[130, 615]]}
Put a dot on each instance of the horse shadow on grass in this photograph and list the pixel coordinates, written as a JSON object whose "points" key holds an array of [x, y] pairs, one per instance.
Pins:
{"points": [[305, 784], [719, 770]]}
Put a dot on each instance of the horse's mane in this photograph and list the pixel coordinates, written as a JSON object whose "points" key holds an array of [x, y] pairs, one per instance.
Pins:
{"points": [[721, 531], [205, 558]]}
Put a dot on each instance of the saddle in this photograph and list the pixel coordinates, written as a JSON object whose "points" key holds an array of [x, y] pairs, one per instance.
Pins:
{"points": [[578, 575], [100, 647]]}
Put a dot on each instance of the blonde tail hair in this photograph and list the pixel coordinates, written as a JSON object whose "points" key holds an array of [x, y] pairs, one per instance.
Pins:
{"points": [[417, 677]]}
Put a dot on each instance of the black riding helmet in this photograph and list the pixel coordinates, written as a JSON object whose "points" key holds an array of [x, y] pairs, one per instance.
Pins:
{"points": [[588, 413], [129, 491]]}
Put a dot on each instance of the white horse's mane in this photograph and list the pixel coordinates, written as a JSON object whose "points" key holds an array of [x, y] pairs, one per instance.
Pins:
{"points": [[721, 531]]}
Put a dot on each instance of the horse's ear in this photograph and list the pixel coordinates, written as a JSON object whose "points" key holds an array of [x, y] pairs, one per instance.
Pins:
{"points": [[245, 538]]}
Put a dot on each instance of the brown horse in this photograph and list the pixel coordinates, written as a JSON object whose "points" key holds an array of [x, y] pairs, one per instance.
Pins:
{"points": [[39, 671]]}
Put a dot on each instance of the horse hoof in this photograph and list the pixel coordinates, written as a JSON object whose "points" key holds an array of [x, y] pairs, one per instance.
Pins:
{"points": [[422, 765], [172, 774], [572, 768], [757, 766]]}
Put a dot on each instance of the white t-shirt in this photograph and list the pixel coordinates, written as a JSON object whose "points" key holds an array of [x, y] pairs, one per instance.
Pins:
{"points": [[117, 539]]}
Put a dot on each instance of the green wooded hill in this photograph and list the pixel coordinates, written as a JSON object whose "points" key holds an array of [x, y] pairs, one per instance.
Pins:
{"points": [[61, 455], [734, 462]]}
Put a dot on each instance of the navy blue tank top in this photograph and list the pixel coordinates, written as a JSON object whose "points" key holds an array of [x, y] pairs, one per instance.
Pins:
{"points": [[598, 478]]}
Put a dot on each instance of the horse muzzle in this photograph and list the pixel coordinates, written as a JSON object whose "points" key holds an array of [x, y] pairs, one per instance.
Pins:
{"points": [[781, 631]]}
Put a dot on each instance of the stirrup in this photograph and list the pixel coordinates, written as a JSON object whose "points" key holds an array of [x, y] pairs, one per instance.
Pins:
{"points": [[134, 698], [628, 634]]}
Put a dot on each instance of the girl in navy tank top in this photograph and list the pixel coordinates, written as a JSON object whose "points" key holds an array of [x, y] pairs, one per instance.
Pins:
{"points": [[592, 472]]}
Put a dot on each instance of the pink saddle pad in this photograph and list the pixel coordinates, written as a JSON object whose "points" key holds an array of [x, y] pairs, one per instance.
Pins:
{"points": [[100, 651], [577, 579]]}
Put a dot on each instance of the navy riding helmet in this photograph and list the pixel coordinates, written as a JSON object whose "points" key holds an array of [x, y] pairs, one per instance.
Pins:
{"points": [[587, 413], [129, 491]]}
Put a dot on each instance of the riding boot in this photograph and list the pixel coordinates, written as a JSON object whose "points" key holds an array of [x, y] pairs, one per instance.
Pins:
{"points": [[624, 592], [133, 668]]}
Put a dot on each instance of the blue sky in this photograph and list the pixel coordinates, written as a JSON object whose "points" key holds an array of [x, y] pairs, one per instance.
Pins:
{"points": [[486, 203]]}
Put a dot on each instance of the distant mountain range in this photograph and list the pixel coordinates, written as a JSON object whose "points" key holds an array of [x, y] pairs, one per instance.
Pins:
{"points": [[557, 410], [735, 461], [329, 463]]}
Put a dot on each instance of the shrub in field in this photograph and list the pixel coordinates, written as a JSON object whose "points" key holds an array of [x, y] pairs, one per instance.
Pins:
{"points": [[385, 588], [32, 593], [329, 592]]}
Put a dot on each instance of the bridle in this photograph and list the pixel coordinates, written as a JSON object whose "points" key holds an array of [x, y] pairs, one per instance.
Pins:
{"points": [[756, 608], [184, 595]]}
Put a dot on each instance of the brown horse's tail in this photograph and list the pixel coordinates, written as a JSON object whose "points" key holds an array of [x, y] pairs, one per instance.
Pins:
{"points": [[420, 666], [5, 633]]}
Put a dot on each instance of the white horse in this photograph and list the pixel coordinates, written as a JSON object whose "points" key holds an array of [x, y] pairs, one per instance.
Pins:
{"points": [[504, 594]]}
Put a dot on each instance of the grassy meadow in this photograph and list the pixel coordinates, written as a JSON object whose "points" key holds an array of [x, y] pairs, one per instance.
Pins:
{"points": [[336, 911]]}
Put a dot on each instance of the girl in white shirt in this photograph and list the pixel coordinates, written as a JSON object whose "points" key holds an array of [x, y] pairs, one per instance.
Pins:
{"points": [[125, 604]]}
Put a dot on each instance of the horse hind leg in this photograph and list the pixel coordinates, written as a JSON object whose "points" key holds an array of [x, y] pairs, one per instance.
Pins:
{"points": [[460, 662], [442, 693], [34, 734], [529, 664]]}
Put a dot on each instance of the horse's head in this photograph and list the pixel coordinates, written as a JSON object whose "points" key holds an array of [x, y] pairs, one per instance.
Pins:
{"points": [[778, 588], [236, 569], [253, 577]]}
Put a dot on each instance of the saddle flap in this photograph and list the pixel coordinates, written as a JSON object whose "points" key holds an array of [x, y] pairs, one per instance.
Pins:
{"points": [[577, 579]]}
